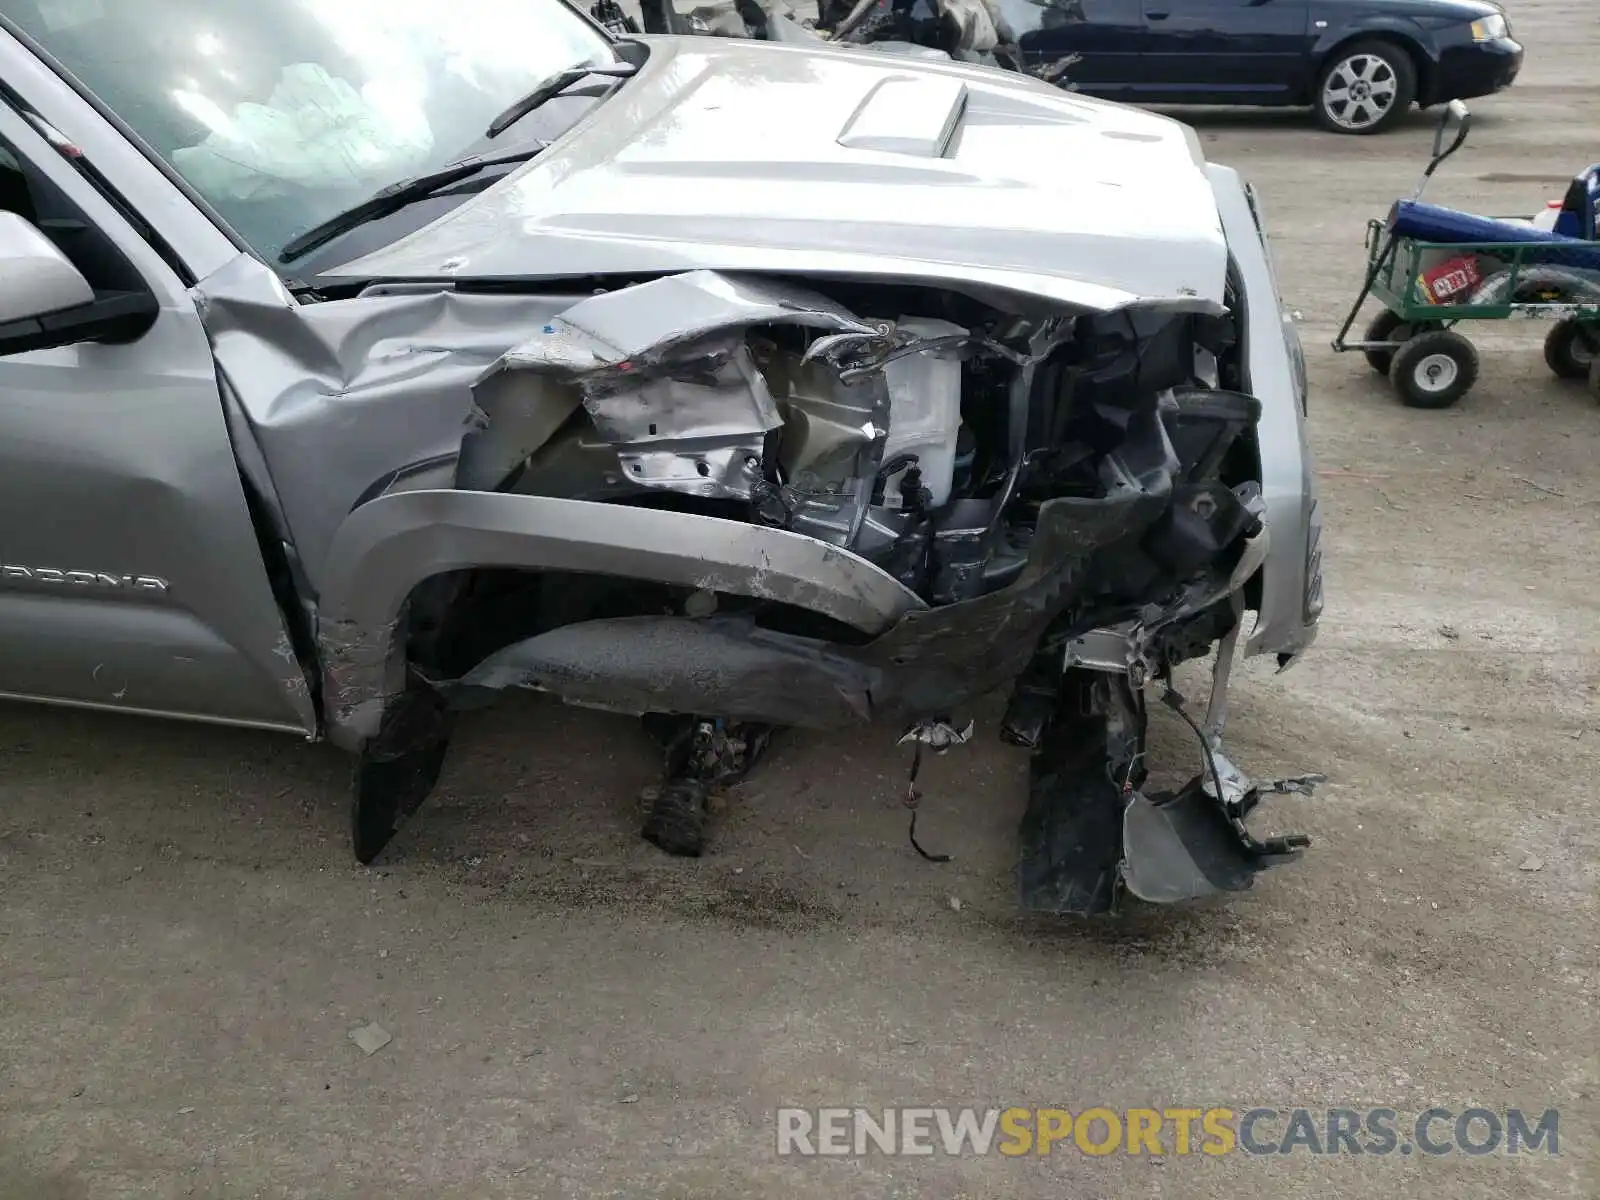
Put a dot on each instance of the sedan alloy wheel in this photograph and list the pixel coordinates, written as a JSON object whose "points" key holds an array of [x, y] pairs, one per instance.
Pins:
{"points": [[1366, 88]]}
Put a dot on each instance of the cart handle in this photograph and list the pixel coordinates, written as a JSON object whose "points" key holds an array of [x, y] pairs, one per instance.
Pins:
{"points": [[1457, 112]]}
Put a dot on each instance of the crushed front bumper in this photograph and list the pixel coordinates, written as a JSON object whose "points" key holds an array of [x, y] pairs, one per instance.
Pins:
{"points": [[1474, 69]]}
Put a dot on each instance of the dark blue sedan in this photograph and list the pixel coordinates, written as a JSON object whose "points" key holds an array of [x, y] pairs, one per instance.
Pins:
{"points": [[1359, 64]]}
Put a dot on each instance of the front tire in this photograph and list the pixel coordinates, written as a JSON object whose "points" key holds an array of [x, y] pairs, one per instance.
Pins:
{"points": [[1365, 88], [1434, 369]]}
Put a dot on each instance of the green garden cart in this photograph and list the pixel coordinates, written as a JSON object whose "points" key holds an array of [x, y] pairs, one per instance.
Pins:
{"points": [[1433, 268]]}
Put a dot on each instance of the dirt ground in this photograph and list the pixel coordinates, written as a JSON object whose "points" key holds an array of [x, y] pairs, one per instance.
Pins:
{"points": [[186, 942]]}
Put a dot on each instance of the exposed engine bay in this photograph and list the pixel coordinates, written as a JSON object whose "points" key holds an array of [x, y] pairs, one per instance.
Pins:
{"points": [[931, 434], [943, 493]]}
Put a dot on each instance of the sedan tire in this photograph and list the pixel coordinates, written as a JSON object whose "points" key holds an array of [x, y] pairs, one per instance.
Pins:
{"points": [[1365, 88]]}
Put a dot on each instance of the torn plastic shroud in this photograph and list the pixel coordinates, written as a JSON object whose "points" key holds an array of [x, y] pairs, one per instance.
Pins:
{"points": [[931, 661]]}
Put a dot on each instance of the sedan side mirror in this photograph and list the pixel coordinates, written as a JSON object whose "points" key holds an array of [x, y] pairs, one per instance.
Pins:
{"points": [[46, 302]]}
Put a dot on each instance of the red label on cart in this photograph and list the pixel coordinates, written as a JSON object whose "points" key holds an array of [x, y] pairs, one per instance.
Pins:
{"points": [[1450, 279]]}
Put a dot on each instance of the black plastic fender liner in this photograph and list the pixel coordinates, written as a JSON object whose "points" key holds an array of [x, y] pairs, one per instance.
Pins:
{"points": [[930, 662], [1069, 844], [397, 770], [1087, 762], [638, 665]]}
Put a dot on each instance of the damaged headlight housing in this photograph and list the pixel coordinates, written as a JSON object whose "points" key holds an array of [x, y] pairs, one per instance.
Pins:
{"points": [[1491, 29]]}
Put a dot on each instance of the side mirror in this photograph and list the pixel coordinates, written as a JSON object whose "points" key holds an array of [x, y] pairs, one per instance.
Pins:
{"points": [[45, 301], [35, 277]]}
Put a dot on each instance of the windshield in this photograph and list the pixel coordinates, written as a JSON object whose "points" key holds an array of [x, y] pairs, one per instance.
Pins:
{"points": [[283, 112]]}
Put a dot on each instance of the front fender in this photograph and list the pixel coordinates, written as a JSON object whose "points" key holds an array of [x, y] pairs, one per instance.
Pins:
{"points": [[1291, 579], [1340, 32], [385, 548]]}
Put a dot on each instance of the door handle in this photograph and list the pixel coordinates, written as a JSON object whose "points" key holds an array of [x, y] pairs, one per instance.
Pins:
{"points": [[1156, 16]]}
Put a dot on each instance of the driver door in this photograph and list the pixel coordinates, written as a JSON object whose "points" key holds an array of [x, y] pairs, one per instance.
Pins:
{"points": [[1225, 51], [1106, 35], [130, 573]]}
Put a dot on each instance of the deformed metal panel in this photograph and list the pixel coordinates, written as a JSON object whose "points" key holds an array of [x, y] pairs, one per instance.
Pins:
{"points": [[667, 378], [341, 394], [392, 544], [649, 319]]}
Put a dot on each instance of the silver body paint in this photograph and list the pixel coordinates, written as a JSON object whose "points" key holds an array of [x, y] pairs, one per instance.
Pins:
{"points": [[733, 155], [115, 461], [374, 430]]}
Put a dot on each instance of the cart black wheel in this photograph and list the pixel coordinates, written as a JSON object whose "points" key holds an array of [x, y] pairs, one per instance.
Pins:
{"points": [[1388, 327], [1365, 88], [1434, 369], [1572, 348]]}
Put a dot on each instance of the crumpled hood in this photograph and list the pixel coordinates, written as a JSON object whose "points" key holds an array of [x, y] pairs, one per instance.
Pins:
{"points": [[747, 156]]}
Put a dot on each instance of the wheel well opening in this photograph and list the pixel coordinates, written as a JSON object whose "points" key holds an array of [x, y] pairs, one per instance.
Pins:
{"points": [[453, 621]]}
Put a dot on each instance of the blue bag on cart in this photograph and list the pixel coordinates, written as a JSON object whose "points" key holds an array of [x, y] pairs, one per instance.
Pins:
{"points": [[1570, 244]]}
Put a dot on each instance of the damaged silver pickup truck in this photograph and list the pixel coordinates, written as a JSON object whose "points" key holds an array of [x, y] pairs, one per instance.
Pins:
{"points": [[360, 362]]}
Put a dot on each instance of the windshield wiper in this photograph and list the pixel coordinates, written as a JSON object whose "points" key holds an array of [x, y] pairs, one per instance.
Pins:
{"points": [[552, 87], [397, 196]]}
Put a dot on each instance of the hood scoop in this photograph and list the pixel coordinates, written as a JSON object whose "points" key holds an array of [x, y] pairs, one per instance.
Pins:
{"points": [[907, 115]]}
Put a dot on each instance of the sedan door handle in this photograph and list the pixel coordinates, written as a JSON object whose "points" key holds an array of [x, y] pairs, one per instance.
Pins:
{"points": [[1156, 16]]}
